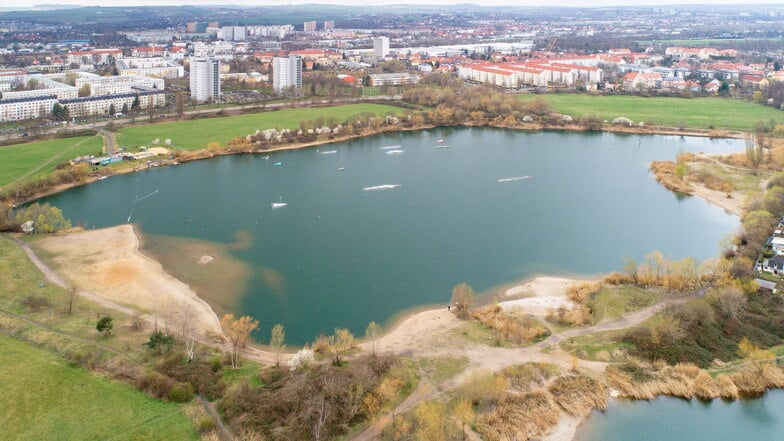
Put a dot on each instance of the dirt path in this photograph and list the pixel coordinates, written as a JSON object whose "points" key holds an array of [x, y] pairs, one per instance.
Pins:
{"points": [[493, 358], [251, 353], [48, 328]]}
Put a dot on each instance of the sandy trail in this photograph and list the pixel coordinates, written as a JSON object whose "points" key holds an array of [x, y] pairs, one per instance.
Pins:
{"points": [[108, 264]]}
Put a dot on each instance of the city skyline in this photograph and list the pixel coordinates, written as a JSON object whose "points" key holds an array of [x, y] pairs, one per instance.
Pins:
{"points": [[519, 3]]}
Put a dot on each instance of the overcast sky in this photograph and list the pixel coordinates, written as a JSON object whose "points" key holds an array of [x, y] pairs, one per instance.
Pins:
{"points": [[581, 3]]}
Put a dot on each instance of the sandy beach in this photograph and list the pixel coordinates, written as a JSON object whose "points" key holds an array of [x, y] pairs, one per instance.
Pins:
{"points": [[539, 296], [107, 262], [732, 205]]}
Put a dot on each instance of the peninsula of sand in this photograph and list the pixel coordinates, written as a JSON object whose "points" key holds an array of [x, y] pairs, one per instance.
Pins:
{"points": [[108, 264]]}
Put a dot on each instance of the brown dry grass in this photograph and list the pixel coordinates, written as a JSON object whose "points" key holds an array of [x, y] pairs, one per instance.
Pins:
{"points": [[528, 376], [665, 174], [688, 381], [519, 330], [757, 378], [581, 292], [578, 394], [526, 416]]}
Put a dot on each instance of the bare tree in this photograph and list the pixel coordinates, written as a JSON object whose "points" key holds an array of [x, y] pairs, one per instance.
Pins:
{"points": [[462, 299], [339, 344], [71, 297], [238, 334], [277, 341], [372, 332]]}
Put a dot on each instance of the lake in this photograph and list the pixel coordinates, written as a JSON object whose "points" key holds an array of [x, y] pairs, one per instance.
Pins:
{"points": [[668, 419], [400, 226]]}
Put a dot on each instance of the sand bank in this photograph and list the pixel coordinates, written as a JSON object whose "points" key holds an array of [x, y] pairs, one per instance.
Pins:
{"points": [[540, 295], [108, 263], [732, 205]]}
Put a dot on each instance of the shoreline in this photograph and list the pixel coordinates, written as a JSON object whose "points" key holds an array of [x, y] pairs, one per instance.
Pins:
{"points": [[204, 153], [406, 325], [403, 337]]}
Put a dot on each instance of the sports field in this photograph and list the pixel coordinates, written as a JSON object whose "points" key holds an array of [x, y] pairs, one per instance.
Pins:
{"points": [[703, 113], [24, 161], [196, 134], [45, 399]]}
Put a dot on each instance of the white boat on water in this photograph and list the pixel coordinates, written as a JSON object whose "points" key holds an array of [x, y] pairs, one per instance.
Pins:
{"points": [[391, 147], [102, 178], [342, 168], [516, 178], [438, 147], [394, 152], [279, 204], [382, 187], [327, 152], [440, 141]]}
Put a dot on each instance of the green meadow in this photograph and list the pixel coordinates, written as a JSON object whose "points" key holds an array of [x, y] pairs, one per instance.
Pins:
{"points": [[33, 159], [702, 113], [196, 134], [45, 398]]}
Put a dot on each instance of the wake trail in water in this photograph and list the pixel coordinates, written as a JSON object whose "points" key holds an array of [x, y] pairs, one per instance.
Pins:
{"points": [[382, 187], [516, 178], [137, 199]]}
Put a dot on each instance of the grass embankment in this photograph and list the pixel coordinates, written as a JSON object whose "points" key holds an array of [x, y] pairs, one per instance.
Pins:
{"points": [[35, 159], [45, 398], [196, 134], [49, 398], [700, 113]]}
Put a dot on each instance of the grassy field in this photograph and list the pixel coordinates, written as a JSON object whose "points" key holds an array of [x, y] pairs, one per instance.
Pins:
{"points": [[701, 113], [196, 134], [616, 301], [44, 398], [39, 158]]}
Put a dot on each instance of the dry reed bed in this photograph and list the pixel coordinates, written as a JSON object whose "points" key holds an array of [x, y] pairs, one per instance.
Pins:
{"points": [[530, 414], [689, 381], [519, 330], [665, 174]]}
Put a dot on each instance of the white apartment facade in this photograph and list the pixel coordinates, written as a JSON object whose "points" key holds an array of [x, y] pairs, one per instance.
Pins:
{"points": [[380, 47], [151, 67], [26, 108], [286, 73], [100, 105], [205, 79]]}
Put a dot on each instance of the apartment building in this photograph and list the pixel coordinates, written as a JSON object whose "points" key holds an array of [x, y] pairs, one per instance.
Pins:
{"points": [[100, 105], [157, 67], [205, 79], [286, 73], [26, 108]]}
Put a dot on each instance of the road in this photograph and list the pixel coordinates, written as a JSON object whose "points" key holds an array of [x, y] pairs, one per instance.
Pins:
{"points": [[260, 107]]}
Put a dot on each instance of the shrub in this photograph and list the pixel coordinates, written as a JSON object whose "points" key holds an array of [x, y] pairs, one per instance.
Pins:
{"points": [[181, 393], [205, 425], [35, 303], [159, 339], [580, 292], [155, 384]]}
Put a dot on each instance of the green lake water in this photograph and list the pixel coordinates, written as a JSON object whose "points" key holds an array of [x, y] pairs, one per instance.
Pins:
{"points": [[673, 419], [341, 255]]}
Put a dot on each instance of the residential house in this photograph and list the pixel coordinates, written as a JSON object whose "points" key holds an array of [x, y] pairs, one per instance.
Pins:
{"points": [[777, 243]]}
